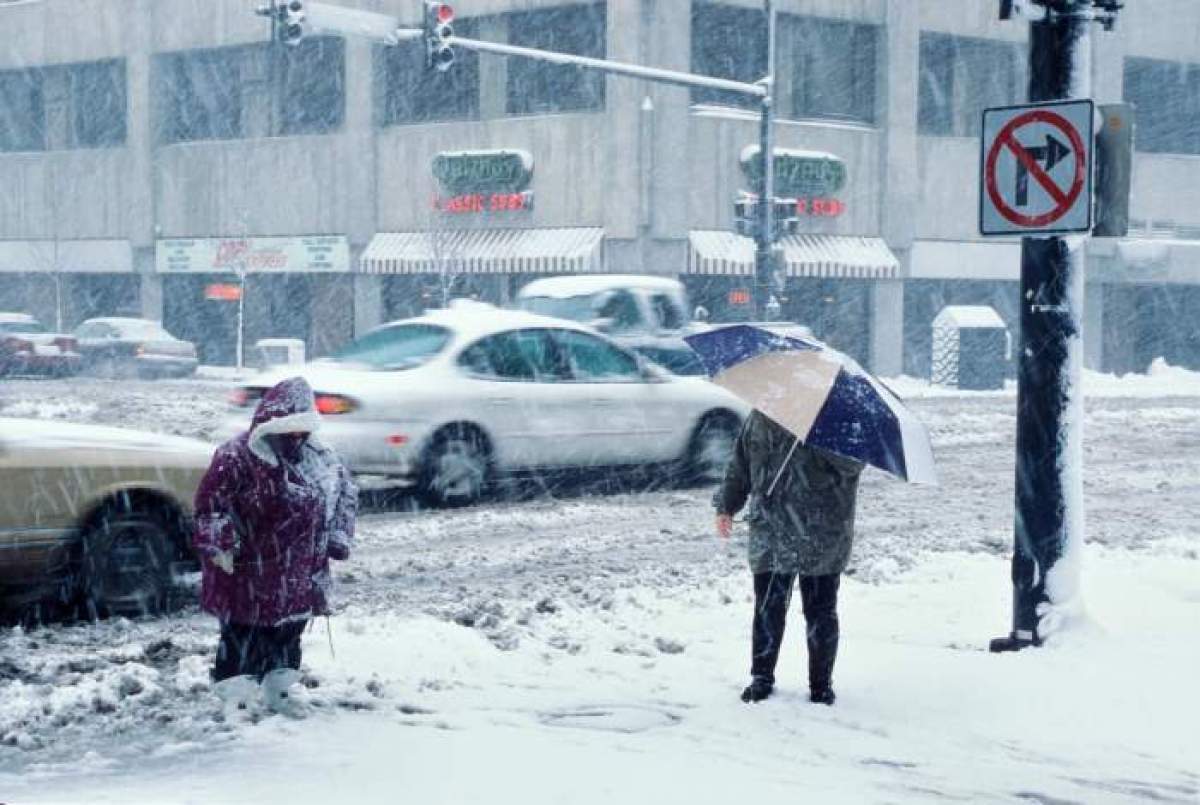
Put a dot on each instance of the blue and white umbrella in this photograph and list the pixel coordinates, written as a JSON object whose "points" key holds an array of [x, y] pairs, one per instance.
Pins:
{"points": [[822, 396]]}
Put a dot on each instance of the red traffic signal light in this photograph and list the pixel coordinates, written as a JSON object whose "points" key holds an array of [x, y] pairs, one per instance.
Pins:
{"points": [[438, 32]]}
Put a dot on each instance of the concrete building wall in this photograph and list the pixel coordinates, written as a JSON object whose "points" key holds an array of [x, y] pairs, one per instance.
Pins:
{"points": [[647, 168]]}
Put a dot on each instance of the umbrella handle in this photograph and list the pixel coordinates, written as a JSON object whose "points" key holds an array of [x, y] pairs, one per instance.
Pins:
{"points": [[782, 467]]}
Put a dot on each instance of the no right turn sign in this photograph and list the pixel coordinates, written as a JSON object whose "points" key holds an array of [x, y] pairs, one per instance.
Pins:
{"points": [[1036, 166]]}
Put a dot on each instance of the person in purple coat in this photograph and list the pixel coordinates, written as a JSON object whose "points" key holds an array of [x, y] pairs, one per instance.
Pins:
{"points": [[274, 507]]}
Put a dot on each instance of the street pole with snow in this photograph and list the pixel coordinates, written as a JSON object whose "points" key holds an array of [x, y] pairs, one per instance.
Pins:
{"points": [[1049, 521], [764, 239]]}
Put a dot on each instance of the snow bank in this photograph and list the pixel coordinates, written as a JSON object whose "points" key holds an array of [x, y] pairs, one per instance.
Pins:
{"points": [[1160, 380]]}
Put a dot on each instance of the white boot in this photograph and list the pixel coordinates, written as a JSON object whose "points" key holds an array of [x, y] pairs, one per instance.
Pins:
{"points": [[240, 695], [283, 693]]}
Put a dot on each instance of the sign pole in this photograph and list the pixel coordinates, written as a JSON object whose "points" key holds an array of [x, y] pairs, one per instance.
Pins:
{"points": [[766, 189], [1048, 527]]}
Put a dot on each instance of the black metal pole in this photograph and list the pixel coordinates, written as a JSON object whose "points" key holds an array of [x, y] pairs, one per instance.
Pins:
{"points": [[766, 188], [1049, 320]]}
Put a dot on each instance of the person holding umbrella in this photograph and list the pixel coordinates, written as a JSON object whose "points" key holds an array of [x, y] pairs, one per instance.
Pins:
{"points": [[801, 518], [818, 420]]}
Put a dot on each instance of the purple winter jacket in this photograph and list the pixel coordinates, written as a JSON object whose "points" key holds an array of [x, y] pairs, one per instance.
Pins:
{"points": [[282, 522]]}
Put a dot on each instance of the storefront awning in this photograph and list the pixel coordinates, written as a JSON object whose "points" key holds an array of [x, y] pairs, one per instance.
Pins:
{"points": [[847, 256], [486, 251]]}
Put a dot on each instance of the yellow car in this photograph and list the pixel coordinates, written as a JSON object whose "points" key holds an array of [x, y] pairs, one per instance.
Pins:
{"points": [[96, 514]]}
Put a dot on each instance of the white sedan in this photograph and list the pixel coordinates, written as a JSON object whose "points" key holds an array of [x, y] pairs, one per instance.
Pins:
{"points": [[450, 398]]}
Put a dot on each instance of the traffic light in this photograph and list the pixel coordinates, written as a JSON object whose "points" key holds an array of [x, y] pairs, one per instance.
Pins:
{"points": [[288, 19], [784, 219], [438, 32]]}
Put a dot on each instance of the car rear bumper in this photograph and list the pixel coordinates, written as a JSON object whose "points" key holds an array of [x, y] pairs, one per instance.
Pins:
{"points": [[67, 363], [165, 364], [368, 447]]}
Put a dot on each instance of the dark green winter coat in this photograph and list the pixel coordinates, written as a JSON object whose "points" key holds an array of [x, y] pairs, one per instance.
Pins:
{"points": [[806, 526]]}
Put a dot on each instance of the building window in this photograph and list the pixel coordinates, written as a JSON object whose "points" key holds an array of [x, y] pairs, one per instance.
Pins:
{"points": [[22, 111], [407, 92], [199, 95], [831, 65], [312, 93], [98, 114], [728, 42], [962, 76], [1167, 100], [537, 87]]}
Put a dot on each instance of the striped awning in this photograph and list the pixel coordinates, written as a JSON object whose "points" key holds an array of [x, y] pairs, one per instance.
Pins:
{"points": [[727, 253], [486, 251]]}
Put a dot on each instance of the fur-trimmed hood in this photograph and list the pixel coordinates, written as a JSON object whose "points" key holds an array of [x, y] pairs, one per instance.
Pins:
{"points": [[288, 407]]}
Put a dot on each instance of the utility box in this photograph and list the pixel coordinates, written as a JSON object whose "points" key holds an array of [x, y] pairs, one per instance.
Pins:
{"points": [[971, 348], [279, 352]]}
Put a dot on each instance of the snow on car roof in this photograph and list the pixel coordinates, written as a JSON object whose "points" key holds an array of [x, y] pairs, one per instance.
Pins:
{"points": [[968, 317], [588, 284], [470, 319], [23, 318]]}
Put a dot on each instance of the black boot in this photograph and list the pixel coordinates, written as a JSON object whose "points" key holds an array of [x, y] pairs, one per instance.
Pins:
{"points": [[822, 696], [758, 689]]}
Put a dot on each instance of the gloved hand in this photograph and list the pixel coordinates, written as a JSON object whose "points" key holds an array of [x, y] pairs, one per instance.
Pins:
{"points": [[223, 560]]}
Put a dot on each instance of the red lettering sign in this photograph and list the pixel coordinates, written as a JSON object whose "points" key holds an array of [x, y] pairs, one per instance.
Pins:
{"points": [[479, 202], [820, 207]]}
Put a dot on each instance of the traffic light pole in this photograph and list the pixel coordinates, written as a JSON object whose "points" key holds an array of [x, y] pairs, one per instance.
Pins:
{"points": [[1048, 527], [387, 30], [763, 269]]}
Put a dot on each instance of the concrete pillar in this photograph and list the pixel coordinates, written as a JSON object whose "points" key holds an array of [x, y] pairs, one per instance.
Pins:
{"points": [[151, 297], [670, 46], [623, 100], [357, 144], [899, 76], [1093, 326], [887, 327], [493, 70], [368, 302], [139, 132]]}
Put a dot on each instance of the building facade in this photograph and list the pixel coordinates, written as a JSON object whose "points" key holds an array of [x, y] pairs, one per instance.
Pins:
{"points": [[153, 151]]}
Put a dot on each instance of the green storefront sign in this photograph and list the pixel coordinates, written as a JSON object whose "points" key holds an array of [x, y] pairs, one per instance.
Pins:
{"points": [[464, 172], [798, 174]]}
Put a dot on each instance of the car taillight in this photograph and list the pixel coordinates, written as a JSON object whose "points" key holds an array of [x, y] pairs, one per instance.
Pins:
{"points": [[239, 397], [328, 404]]}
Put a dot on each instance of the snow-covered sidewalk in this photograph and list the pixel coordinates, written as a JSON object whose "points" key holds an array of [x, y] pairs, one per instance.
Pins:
{"points": [[642, 707]]}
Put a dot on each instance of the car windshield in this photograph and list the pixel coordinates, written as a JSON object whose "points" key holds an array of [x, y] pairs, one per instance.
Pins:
{"points": [[21, 327], [576, 308], [399, 347]]}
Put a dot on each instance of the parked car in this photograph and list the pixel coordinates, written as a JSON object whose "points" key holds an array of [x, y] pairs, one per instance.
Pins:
{"points": [[27, 347], [120, 347], [95, 511], [450, 398], [616, 304]]}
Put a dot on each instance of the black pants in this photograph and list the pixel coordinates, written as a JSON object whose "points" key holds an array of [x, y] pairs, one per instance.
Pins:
{"points": [[772, 594], [255, 650]]}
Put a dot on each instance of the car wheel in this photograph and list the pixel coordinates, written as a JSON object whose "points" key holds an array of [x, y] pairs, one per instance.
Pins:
{"points": [[456, 467], [126, 560], [710, 448]]}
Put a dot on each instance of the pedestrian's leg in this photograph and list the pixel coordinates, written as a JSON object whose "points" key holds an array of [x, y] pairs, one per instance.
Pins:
{"points": [[232, 651], [772, 594], [288, 645], [819, 596]]}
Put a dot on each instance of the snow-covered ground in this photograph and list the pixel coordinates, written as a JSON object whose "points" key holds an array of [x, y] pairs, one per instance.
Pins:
{"points": [[590, 649]]}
